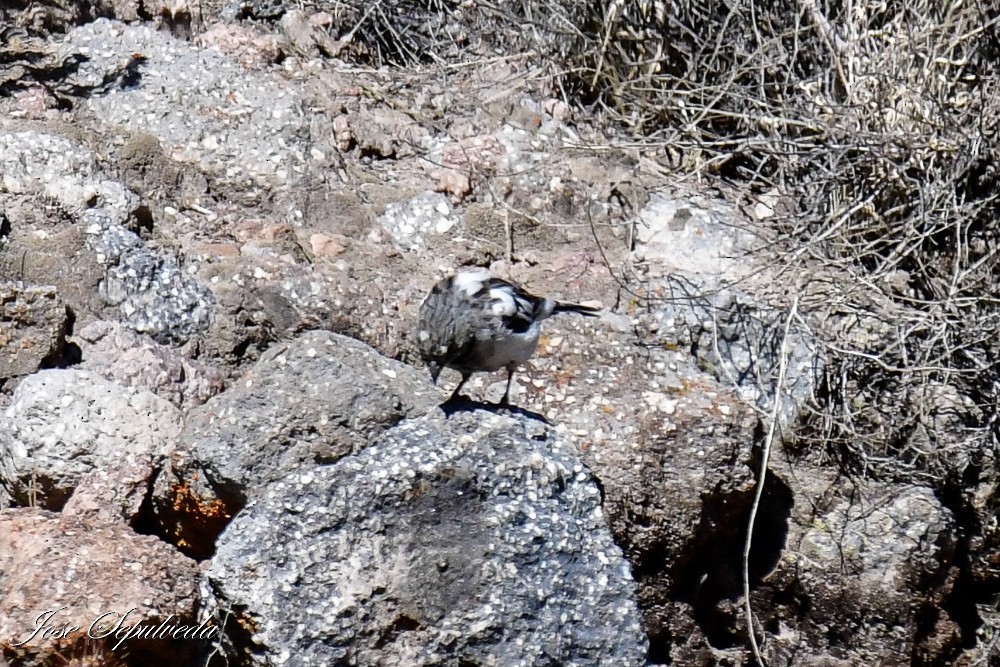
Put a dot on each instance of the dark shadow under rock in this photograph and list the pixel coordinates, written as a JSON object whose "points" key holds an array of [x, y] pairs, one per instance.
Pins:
{"points": [[710, 570]]}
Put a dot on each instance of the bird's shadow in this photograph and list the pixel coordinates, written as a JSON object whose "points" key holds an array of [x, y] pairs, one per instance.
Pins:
{"points": [[457, 404]]}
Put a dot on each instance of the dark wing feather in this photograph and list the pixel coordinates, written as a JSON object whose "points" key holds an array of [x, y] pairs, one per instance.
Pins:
{"points": [[526, 304]]}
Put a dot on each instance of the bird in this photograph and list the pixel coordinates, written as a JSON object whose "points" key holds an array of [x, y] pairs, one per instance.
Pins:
{"points": [[475, 322]]}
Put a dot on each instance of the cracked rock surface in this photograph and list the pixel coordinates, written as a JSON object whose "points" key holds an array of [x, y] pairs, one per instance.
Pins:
{"points": [[310, 401], [62, 424], [477, 539]]}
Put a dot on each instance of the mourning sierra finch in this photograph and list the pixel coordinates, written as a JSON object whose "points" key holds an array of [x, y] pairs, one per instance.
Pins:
{"points": [[473, 322]]}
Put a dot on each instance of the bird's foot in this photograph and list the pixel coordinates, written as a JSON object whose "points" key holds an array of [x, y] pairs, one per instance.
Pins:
{"points": [[504, 404]]}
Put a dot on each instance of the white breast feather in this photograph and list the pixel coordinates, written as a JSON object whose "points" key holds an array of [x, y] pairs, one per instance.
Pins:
{"points": [[512, 348]]}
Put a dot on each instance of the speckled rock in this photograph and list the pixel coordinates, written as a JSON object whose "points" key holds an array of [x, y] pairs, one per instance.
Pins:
{"points": [[123, 356], [36, 162], [312, 400], [673, 449], [33, 323], [881, 534], [261, 299], [676, 451], [55, 256], [685, 232], [81, 569], [152, 293], [695, 250], [41, 176], [857, 557], [62, 424], [205, 108], [738, 339], [147, 286], [410, 222], [477, 539]]}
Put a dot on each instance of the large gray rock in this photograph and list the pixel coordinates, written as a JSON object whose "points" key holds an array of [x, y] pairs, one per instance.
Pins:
{"points": [[477, 539], [83, 569], [63, 424], [312, 400], [856, 560], [130, 359], [32, 328]]}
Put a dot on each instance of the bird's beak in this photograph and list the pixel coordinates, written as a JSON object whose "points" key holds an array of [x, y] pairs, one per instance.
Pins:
{"points": [[435, 370]]}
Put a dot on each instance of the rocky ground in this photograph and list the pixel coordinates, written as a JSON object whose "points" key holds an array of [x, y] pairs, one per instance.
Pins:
{"points": [[214, 236]]}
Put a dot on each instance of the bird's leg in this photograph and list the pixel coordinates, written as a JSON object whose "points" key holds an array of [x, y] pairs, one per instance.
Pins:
{"points": [[454, 394], [505, 401]]}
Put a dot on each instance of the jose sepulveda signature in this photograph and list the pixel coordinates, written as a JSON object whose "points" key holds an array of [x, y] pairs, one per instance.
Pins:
{"points": [[115, 625]]}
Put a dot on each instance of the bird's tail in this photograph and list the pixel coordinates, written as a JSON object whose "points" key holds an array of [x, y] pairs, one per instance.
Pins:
{"points": [[589, 311]]}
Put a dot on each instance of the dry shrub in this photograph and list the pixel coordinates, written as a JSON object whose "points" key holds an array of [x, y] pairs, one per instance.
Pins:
{"points": [[874, 122], [878, 127]]}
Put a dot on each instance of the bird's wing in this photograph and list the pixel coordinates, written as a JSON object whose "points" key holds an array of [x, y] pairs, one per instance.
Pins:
{"points": [[517, 309]]}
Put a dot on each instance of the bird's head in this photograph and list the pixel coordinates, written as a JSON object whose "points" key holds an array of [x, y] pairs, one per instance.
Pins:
{"points": [[432, 353]]}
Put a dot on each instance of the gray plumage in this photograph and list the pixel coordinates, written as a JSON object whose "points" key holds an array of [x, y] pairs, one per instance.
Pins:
{"points": [[473, 322]]}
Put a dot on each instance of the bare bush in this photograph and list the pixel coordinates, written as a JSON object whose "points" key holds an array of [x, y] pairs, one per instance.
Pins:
{"points": [[878, 126], [875, 123]]}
